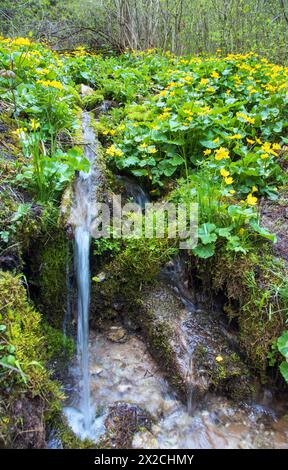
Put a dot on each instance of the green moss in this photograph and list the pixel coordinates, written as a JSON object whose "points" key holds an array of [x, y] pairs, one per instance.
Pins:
{"points": [[90, 102], [49, 264], [223, 374], [256, 289], [57, 346], [24, 379], [68, 438], [137, 264]]}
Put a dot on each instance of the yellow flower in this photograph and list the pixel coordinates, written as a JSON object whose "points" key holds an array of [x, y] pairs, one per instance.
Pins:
{"points": [[251, 200], [119, 153], [143, 146], [219, 358], [21, 42], [221, 153], [241, 231], [215, 75], [111, 151], [266, 147], [224, 173], [204, 81], [264, 156], [207, 152], [246, 118], [276, 147], [250, 141], [232, 191], [20, 132], [254, 189], [34, 124], [51, 83], [172, 93], [216, 140], [163, 93], [154, 127], [235, 136], [43, 71], [229, 180], [152, 150]]}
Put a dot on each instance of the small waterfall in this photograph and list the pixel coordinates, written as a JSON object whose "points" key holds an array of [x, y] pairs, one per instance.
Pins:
{"points": [[67, 322], [134, 191], [81, 217], [174, 273], [82, 243]]}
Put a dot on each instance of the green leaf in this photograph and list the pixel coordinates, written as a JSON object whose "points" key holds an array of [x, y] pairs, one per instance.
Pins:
{"points": [[209, 144], [225, 232], [282, 344], [263, 232], [206, 233], [139, 172], [130, 161], [284, 370], [176, 160], [204, 251], [4, 235]]}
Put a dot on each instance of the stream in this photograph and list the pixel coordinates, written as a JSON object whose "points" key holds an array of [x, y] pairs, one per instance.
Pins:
{"points": [[114, 366]]}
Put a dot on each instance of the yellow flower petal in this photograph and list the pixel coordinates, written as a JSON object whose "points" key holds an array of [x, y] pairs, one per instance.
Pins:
{"points": [[219, 358]]}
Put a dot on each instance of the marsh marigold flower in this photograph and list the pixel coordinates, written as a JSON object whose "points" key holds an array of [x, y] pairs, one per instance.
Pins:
{"points": [[224, 173], [221, 154], [229, 180], [34, 124], [251, 200], [21, 42]]}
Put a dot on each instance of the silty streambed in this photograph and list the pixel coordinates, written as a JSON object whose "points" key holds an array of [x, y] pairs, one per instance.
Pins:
{"points": [[115, 366], [122, 370]]}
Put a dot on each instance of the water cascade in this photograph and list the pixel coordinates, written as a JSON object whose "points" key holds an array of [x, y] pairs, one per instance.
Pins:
{"points": [[81, 217]]}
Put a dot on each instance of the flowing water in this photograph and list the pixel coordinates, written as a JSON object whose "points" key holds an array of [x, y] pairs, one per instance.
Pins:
{"points": [[82, 217], [113, 368], [125, 372]]}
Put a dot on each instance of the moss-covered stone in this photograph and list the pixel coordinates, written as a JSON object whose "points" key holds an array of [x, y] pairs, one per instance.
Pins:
{"points": [[90, 102], [67, 438], [137, 264], [255, 297], [192, 349], [26, 388]]}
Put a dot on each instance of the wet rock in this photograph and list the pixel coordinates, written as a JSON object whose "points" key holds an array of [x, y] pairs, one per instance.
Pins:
{"points": [[192, 348], [117, 334], [123, 421], [9, 261], [145, 440]]}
